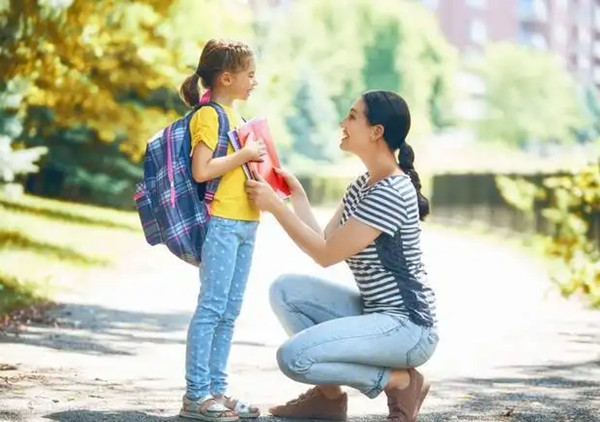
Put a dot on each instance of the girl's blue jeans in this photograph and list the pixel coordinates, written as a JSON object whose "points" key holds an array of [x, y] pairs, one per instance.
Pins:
{"points": [[226, 258], [333, 343]]}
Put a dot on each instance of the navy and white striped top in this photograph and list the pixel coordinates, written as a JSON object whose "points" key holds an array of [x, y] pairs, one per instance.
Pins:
{"points": [[389, 272]]}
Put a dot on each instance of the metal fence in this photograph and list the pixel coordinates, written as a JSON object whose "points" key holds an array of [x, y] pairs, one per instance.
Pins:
{"points": [[475, 198]]}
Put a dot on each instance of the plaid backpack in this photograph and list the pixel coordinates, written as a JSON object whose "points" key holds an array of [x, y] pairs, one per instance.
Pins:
{"points": [[173, 208]]}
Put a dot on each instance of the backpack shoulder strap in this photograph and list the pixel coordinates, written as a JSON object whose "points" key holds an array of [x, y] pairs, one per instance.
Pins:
{"points": [[220, 150]]}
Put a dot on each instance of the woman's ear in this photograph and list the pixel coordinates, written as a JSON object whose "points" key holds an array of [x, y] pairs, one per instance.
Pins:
{"points": [[377, 132]]}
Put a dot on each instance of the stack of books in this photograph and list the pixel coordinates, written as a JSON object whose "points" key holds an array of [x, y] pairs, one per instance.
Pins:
{"points": [[254, 129]]}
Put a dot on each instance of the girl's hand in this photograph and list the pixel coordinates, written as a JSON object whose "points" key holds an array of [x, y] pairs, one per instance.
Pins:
{"points": [[262, 194], [296, 188], [254, 149]]}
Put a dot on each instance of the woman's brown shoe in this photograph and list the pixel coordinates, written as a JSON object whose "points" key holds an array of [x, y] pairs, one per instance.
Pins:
{"points": [[404, 404], [313, 405]]}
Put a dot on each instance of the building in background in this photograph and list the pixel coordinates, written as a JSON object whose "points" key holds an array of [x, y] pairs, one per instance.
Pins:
{"points": [[568, 28]]}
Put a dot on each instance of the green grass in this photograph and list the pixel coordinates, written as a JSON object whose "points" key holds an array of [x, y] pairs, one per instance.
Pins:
{"points": [[16, 294], [48, 244]]}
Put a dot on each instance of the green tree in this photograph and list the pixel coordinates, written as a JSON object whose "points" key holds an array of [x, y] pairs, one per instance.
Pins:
{"points": [[379, 71], [529, 97], [15, 160], [396, 45], [98, 78], [570, 205], [592, 114], [312, 121]]}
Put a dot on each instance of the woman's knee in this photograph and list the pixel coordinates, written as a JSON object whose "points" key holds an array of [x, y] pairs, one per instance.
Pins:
{"points": [[291, 362], [277, 291]]}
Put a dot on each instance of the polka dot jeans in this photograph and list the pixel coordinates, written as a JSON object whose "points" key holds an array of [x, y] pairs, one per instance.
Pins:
{"points": [[226, 259]]}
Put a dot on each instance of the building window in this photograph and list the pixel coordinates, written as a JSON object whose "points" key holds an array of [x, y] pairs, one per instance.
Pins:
{"points": [[533, 10], [432, 4], [560, 35], [585, 63], [532, 39], [478, 4], [478, 32]]}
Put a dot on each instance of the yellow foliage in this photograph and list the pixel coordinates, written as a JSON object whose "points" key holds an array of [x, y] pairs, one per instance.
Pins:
{"points": [[85, 59], [573, 206]]}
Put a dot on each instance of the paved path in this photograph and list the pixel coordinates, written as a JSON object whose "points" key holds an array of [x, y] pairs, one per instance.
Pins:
{"points": [[510, 350]]}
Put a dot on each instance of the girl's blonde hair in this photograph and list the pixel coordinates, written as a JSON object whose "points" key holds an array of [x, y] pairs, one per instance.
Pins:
{"points": [[217, 56]]}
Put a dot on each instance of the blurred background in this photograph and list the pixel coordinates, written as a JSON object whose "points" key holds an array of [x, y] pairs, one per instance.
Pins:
{"points": [[504, 98]]}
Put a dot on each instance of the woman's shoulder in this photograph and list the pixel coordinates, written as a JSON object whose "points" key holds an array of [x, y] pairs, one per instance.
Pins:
{"points": [[361, 180], [396, 188], [356, 185], [396, 182]]}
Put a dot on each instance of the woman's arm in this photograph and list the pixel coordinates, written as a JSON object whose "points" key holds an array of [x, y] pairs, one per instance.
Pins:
{"points": [[303, 210], [300, 201], [345, 241], [334, 222]]}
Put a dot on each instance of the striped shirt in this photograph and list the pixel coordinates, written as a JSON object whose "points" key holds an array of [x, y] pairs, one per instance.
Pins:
{"points": [[389, 272]]}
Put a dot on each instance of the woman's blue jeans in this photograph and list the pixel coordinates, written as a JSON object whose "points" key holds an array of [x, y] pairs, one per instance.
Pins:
{"points": [[333, 343]]}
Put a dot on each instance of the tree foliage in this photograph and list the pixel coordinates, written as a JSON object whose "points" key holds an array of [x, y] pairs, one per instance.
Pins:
{"points": [[529, 97], [571, 207], [98, 78], [15, 160], [396, 45], [312, 124]]}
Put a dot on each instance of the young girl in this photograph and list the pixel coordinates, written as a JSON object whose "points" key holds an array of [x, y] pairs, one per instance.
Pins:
{"points": [[227, 70]]}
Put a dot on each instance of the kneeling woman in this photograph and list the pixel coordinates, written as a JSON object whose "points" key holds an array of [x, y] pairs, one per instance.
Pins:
{"points": [[371, 338]]}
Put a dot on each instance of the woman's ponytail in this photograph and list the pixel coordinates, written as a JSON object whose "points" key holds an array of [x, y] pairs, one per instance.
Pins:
{"points": [[406, 159]]}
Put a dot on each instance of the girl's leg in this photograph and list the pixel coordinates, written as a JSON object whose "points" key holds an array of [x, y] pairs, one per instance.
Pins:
{"points": [[216, 274], [221, 345]]}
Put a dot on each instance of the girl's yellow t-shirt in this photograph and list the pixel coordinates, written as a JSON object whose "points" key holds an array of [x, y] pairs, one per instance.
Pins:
{"points": [[231, 200]]}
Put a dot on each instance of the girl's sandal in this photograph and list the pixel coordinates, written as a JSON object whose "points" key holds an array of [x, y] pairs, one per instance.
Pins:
{"points": [[243, 409], [209, 410]]}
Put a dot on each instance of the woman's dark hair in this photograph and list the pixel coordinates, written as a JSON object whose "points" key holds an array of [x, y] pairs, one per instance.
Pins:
{"points": [[388, 109], [217, 56]]}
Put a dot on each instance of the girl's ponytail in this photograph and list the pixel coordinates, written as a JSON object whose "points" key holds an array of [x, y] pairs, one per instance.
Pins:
{"points": [[189, 90]]}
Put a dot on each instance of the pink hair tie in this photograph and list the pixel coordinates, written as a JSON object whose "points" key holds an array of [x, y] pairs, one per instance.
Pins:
{"points": [[205, 98]]}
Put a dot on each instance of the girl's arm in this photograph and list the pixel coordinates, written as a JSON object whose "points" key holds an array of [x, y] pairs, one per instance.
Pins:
{"points": [[205, 167], [343, 242]]}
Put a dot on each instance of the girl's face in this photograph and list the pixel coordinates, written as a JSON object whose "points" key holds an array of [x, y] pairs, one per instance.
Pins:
{"points": [[357, 133], [242, 83]]}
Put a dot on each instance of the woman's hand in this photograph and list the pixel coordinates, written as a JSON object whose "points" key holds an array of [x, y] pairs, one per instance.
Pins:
{"points": [[262, 194], [296, 188]]}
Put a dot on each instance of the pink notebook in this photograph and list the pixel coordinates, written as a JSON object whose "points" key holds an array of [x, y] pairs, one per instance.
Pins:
{"points": [[258, 128]]}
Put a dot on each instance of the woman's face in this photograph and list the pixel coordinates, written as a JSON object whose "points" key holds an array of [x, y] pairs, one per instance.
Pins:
{"points": [[356, 130]]}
